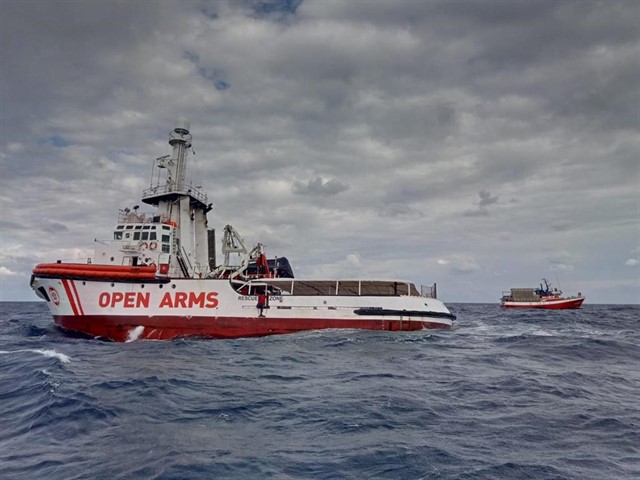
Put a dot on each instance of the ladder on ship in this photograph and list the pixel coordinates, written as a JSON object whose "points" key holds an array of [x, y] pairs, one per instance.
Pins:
{"points": [[183, 259]]}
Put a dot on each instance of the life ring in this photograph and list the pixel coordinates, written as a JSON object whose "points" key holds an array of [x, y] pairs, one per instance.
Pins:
{"points": [[153, 245], [143, 245]]}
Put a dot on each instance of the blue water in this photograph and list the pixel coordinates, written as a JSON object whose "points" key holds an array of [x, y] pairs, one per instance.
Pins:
{"points": [[503, 395]]}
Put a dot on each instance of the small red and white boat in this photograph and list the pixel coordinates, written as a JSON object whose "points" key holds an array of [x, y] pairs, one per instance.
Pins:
{"points": [[157, 278], [543, 297]]}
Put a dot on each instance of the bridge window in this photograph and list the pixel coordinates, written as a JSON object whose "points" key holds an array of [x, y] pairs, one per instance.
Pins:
{"points": [[117, 235], [136, 236]]}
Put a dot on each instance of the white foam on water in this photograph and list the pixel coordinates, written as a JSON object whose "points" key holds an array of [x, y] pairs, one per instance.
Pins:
{"points": [[52, 353], [540, 332], [135, 333], [47, 353]]}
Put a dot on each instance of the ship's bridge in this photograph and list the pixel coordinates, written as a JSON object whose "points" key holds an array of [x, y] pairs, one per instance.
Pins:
{"points": [[126, 215], [138, 228]]}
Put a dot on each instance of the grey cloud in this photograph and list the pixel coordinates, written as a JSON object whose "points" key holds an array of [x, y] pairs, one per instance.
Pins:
{"points": [[54, 227], [460, 263], [74, 54], [562, 227], [480, 212], [486, 199], [560, 267], [319, 186], [397, 209]]}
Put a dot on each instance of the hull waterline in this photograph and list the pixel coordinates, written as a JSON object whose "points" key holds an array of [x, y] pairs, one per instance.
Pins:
{"points": [[169, 328]]}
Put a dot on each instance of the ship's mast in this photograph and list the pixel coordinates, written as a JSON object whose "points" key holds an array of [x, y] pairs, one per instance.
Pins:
{"points": [[182, 206], [180, 140]]}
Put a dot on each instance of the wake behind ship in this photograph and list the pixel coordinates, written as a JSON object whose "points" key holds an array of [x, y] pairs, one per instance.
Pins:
{"points": [[157, 278]]}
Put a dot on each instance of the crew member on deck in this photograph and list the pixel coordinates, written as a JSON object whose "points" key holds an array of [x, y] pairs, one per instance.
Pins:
{"points": [[263, 301]]}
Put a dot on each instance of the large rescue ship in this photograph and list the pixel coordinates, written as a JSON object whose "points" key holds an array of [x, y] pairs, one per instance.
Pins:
{"points": [[157, 278]]}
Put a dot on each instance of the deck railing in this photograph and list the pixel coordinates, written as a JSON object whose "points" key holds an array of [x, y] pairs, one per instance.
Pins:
{"points": [[429, 291], [165, 189]]}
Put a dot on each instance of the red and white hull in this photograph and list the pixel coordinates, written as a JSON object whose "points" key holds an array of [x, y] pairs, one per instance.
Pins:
{"points": [[127, 310], [550, 304], [157, 277]]}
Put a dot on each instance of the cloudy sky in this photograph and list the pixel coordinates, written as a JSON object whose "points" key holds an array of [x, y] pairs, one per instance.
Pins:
{"points": [[481, 145]]}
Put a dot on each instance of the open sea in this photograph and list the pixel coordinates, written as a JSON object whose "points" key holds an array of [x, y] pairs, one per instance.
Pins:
{"points": [[505, 394]]}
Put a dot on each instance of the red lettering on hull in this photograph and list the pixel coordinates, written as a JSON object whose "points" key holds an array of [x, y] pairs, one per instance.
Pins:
{"points": [[166, 301], [128, 300], [190, 300], [169, 300]]}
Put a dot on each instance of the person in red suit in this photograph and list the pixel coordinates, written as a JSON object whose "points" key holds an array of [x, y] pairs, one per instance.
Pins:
{"points": [[263, 302]]}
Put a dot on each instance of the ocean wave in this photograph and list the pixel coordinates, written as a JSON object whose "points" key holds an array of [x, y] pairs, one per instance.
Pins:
{"points": [[47, 353], [500, 395]]}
